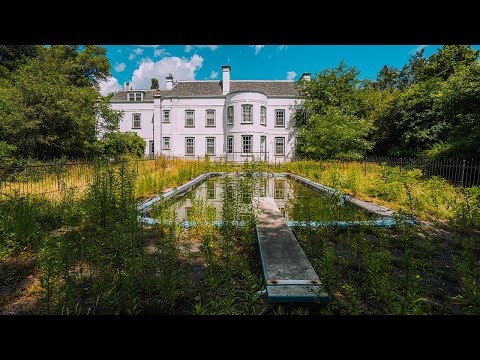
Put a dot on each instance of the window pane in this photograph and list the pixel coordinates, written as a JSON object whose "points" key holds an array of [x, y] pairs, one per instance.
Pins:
{"points": [[166, 115], [190, 146], [210, 146], [138, 96], [131, 97], [230, 115], [136, 121], [230, 144], [247, 113], [279, 118], [210, 118], [263, 115], [166, 143], [189, 118], [247, 144], [279, 146]]}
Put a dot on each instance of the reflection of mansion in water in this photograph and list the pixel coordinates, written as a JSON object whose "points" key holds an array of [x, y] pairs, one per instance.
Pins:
{"points": [[226, 119], [210, 195]]}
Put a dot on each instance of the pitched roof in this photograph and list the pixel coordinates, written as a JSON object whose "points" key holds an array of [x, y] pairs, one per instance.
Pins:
{"points": [[214, 88]]}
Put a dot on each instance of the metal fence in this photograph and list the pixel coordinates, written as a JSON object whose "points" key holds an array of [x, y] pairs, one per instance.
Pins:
{"points": [[51, 179], [459, 172]]}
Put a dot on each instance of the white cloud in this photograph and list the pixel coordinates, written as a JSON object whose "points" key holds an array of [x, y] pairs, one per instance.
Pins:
{"points": [[110, 85], [160, 52], [418, 48], [180, 68], [120, 67], [282, 47], [153, 46], [258, 48], [291, 75], [189, 48], [137, 51], [214, 74]]}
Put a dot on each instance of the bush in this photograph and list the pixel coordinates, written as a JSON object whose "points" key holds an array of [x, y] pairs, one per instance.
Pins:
{"points": [[119, 145]]}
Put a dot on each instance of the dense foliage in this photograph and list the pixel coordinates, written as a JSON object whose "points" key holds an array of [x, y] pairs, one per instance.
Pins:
{"points": [[50, 103], [427, 108]]}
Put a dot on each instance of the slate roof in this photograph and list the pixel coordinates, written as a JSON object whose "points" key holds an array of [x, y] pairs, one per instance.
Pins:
{"points": [[214, 88]]}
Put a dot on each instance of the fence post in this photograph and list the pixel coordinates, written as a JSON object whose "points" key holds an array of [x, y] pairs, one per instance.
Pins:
{"points": [[59, 176], [463, 173]]}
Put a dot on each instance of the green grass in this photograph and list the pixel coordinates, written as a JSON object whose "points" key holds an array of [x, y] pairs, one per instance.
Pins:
{"points": [[91, 255]]}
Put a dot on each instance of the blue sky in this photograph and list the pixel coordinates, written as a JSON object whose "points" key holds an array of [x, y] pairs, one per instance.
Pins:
{"points": [[139, 63]]}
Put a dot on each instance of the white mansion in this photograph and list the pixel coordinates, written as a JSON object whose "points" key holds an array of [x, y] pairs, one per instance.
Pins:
{"points": [[228, 118]]}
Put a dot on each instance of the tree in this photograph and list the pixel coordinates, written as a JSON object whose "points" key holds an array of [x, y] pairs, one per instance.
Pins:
{"points": [[12, 56], [49, 109], [118, 145], [448, 59], [154, 84], [336, 135], [410, 125], [334, 121], [413, 70], [458, 103], [388, 78]]}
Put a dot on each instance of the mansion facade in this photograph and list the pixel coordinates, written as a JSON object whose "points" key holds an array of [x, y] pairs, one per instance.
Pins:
{"points": [[225, 118]]}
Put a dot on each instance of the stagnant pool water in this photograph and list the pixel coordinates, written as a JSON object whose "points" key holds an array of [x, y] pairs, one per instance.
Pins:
{"points": [[206, 202]]}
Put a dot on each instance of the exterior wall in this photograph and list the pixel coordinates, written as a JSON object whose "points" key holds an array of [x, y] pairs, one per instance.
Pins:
{"points": [[145, 109], [176, 130]]}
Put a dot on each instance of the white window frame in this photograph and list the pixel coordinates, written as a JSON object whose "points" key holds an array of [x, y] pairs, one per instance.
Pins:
{"points": [[206, 145], [230, 119], [277, 111], [137, 96], [244, 137], [206, 118], [230, 138], [139, 120], [276, 148], [245, 106], [186, 146], [164, 145], [164, 119], [187, 111], [263, 115]]}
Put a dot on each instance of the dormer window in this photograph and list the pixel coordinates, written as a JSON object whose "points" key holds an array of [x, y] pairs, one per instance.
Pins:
{"points": [[135, 96]]}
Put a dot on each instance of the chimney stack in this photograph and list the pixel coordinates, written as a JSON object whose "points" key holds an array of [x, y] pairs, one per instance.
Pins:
{"points": [[226, 79], [126, 86], [169, 82], [305, 76]]}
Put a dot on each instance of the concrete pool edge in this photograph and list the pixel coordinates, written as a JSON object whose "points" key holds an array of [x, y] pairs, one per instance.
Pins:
{"points": [[386, 213]]}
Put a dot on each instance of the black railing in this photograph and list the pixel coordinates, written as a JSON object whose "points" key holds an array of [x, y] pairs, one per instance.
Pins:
{"points": [[460, 172]]}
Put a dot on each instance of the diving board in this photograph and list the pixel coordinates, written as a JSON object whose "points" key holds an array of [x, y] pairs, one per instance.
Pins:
{"points": [[289, 276]]}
